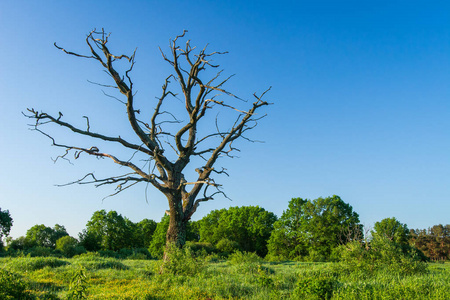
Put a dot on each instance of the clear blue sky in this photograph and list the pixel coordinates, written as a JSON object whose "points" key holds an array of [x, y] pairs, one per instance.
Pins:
{"points": [[361, 108]]}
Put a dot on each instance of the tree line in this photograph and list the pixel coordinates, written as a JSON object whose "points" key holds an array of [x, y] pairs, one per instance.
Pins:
{"points": [[308, 230]]}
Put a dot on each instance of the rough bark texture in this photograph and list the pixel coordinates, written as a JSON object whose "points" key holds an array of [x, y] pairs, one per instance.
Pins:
{"points": [[166, 152]]}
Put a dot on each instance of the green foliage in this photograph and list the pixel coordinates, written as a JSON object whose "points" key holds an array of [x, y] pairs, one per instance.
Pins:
{"points": [[69, 246], [35, 263], [93, 261], [143, 233], [382, 256], [248, 226], [89, 240], [21, 243], [226, 247], [263, 277], [39, 251], [310, 230], [78, 285], [201, 249], [6, 223], [181, 262], [43, 236], [239, 257], [223, 280], [158, 242], [245, 262], [433, 243], [320, 287], [392, 229], [12, 286], [110, 230]]}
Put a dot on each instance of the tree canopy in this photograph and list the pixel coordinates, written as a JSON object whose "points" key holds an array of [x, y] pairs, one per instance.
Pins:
{"points": [[43, 236], [248, 226], [391, 229], [6, 223], [312, 228], [110, 230]]}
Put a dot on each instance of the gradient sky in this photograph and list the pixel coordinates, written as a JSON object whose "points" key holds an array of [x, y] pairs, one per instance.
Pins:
{"points": [[360, 91]]}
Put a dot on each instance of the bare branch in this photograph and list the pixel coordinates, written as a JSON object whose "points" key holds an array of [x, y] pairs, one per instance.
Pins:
{"points": [[39, 117]]}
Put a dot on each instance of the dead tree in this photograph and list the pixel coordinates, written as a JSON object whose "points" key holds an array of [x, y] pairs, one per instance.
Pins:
{"points": [[156, 135]]}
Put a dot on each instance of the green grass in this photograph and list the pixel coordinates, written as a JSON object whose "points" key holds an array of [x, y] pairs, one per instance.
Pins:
{"points": [[108, 278]]}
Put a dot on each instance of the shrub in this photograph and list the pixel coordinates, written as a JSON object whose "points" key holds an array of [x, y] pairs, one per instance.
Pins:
{"points": [[319, 287], [124, 253], [12, 286], [201, 249], [244, 257], [139, 254], [245, 262], [69, 246], [181, 262], [109, 253], [40, 251], [383, 255], [78, 285], [226, 247]]}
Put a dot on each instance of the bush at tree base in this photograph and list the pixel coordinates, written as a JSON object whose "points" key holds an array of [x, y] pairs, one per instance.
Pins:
{"points": [[180, 262]]}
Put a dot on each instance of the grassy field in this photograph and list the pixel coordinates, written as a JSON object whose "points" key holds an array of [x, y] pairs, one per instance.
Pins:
{"points": [[94, 277]]}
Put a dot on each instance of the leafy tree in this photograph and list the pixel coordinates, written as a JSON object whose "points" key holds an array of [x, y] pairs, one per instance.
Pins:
{"points": [[156, 247], [43, 236], [284, 241], [69, 246], [248, 226], [434, 243], [19, 244], [144, 233], [188, 141], [5, 223], [391, 229], [111, 230], [312, 229], [89, 240]]}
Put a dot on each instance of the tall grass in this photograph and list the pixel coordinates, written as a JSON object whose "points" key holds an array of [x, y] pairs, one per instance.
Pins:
{"points": [[241, 277]]}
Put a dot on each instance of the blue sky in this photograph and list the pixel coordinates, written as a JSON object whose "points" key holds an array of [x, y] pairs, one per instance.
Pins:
{"points": [[360, 91]]}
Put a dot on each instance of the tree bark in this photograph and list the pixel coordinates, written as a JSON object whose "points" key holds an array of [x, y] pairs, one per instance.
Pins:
{"points": [[176, 234]]}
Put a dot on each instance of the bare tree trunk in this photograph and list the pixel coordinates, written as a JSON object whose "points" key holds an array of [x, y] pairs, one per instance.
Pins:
{"points": [[176, 233]]}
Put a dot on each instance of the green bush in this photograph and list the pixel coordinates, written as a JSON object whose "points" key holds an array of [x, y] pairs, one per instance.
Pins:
{"points": [[69, 246], [78, 285], [315, 287], [244, 257], [40, 251], [226, 246], [12, 286], [109, 253], [139, 254], [383, 255], [201, 249], [245, 262], [181, 262]]}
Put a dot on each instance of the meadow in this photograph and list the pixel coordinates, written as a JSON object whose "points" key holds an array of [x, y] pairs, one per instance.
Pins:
{"points": [[241, 276]]}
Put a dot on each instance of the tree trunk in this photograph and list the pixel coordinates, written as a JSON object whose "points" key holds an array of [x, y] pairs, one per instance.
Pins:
{"points": [[176, 233]]}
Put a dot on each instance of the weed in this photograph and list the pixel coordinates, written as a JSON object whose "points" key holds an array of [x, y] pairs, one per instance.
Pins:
{"points": [[78, 285]]}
